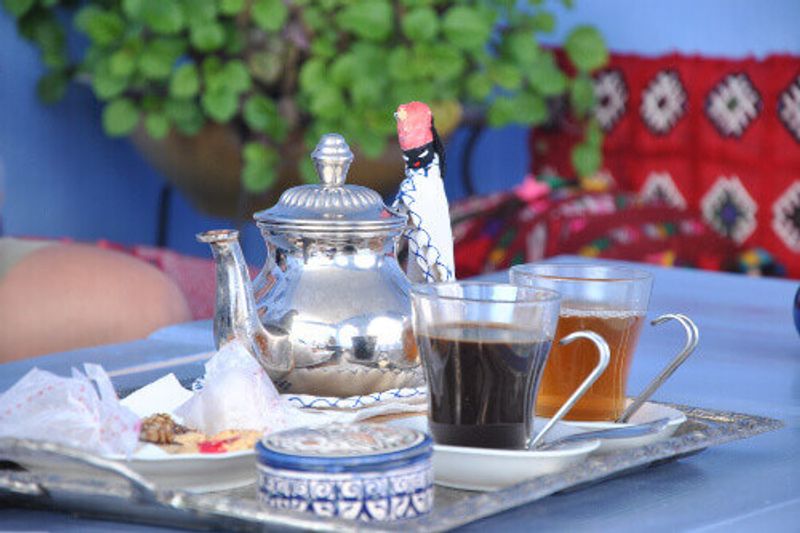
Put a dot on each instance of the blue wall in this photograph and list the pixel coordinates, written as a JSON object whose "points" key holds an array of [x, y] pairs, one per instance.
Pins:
{"points": [[63, 177]]}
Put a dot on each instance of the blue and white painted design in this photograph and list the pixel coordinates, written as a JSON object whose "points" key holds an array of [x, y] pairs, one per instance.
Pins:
{"points": [[411, 394], [376, 496]]}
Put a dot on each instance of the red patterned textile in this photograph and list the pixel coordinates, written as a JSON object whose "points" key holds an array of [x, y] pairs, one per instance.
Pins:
{"points": [[720, 137], [534, 221]]}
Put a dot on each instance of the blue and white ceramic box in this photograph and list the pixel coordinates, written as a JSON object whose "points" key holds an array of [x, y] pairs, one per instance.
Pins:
{"points": [[366, 472]]}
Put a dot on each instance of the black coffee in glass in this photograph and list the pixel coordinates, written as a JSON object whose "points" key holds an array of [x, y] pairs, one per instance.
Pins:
{"points": [[483, 379]]}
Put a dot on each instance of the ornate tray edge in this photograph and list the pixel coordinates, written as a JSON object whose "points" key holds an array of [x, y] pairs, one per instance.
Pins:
{"points": [[704, 428]]}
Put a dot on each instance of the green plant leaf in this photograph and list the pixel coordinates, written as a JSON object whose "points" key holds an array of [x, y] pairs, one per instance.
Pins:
{"points": [[324, 46], [185, 81], [544, 22], [17, 8], [207, 36], [581, 95], [506, 75], [221, 105], [501, 112], [120, 117], [366, 92], [259, 168], [586, 159], [314, 18], [231, 7], [51, 87], [103, 27], [185, 114], [212, 67], [259, 111], [230, 77], [370, 59], [159, 56], [327, 102], [199, 12], [162, 16], [467, 27], [269, 15], [594, 135], [157, 125], [236, 40], [56, 59], [43, 28], [445, 61], [531, 109], [344, 69], [150, 103], [479, 86], [312, 75], [408, 91], [397, 63], [420, 24], [522, 48], [546, 77], [586, 48], [236, 76], [122, 63], [105, 84], [368, 19], [307, 171], [133, 9]]}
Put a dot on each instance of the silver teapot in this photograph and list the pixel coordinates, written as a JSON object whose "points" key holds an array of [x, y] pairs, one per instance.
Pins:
{"points": [[329, 313]]}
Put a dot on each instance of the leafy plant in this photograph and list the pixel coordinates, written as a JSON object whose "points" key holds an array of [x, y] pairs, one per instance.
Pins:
{"points": [[276, 69]]}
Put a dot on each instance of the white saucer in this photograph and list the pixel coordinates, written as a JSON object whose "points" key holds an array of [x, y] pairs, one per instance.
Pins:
{"points": [[647, 413], [488, 469], [461, 467]]}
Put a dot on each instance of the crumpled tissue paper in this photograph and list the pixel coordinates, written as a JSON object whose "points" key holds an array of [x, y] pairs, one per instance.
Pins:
{"points": [[236, 393], [81, 411]]}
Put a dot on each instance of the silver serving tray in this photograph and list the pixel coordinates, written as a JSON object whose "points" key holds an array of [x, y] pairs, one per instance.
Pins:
{"points": [[105, 489]]}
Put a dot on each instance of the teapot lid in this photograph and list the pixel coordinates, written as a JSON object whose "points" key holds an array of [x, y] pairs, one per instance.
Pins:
{"points": [[331, 205]]}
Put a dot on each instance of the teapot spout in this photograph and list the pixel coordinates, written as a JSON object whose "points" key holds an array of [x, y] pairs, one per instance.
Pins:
{"points": [[235, 315]]}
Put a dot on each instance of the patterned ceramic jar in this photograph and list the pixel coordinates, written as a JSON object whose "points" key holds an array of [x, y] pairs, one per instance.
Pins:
{"points": [[366, 472]]}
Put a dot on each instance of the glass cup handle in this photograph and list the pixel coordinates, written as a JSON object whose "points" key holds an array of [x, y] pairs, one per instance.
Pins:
{"points": [[604, 356], [692, 338]]}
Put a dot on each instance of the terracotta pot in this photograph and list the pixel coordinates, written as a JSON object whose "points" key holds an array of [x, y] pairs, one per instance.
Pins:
{"points": [[206, 167]]}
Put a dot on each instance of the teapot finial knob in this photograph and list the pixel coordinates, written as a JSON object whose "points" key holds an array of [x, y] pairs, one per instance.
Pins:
{"points": [[332, 158]]}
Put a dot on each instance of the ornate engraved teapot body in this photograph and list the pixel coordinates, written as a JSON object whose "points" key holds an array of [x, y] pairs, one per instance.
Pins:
{"points": [[329, 313]]}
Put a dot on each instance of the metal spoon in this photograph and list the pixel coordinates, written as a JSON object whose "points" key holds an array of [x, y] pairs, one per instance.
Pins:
{"points": [[624, 432]]}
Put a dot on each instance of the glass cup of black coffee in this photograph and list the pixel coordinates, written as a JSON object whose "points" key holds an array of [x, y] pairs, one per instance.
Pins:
{"points": [[484, 347]]}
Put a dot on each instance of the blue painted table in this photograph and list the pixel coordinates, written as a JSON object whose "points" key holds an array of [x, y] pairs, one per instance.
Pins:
{"points": [[748, 361]]}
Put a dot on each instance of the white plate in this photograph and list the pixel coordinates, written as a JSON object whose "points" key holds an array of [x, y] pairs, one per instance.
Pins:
{"points": [[205, 472], [489, 469], [190, 472], [197, 472], [647, 413]]}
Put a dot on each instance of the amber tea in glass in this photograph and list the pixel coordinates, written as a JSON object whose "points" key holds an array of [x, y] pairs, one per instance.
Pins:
{"points": [[611, 301]]}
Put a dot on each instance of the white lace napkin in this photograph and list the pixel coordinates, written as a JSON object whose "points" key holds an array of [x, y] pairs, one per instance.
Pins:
{"points": [[81, 411]]}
